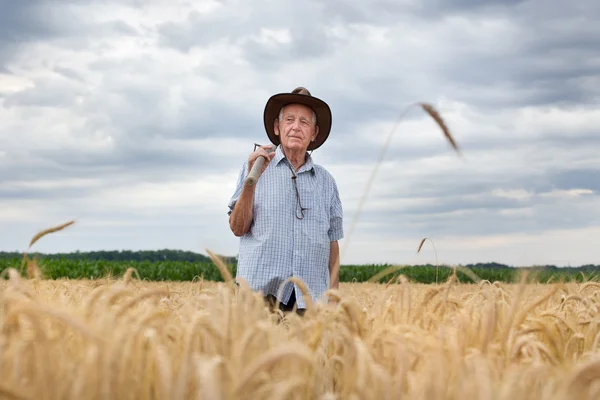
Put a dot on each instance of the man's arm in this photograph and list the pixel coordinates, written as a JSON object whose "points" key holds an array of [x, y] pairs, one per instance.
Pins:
{"points": [[334, 271], [336, 232], [241, 216]]}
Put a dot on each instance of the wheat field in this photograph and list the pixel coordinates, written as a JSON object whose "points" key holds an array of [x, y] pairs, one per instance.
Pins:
{"points": [[131, 339]]}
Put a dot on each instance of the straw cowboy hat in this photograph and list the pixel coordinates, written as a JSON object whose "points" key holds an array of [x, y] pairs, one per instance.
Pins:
{"points": [[299, 95]]}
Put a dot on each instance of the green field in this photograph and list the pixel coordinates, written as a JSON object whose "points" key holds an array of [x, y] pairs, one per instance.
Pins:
{"points": [[184, 266]]}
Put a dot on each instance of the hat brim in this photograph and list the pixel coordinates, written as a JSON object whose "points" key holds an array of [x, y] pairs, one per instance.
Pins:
{"points": [[321, 109]]}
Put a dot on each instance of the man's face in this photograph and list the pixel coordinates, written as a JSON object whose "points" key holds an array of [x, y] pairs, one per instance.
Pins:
{"points": [[296, 128]]}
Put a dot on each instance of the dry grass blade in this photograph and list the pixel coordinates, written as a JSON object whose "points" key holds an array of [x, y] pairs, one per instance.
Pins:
{"points": [[8, 394], [303, 289], [389, 270], [40, 311], [33, 270], [40, 235], [43, 233], [288, 353], [582, 379], [13, 275], [421, 244], [436, 257], [432, 112], [128, 275], [428, 108], [150, 293], [221, 265], [467, 272]]}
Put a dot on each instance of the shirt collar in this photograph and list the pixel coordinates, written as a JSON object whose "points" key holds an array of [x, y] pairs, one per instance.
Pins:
{"points": [[308, 165]]}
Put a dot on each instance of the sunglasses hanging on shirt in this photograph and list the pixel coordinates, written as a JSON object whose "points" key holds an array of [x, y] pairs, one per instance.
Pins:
{"points": [[295, 179]]}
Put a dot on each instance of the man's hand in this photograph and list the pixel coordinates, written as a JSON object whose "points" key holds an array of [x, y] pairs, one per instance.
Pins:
{"points": [[241, 217], [261, 152]]}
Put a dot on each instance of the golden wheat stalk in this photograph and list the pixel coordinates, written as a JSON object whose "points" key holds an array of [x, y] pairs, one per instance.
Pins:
{"points": [[436, 257], [301, 285], [221, 265], [385, 272], [40, 235], [429, 109], [6, 393], [376, 344], [128, 275], [45, 232], [435, 115]]}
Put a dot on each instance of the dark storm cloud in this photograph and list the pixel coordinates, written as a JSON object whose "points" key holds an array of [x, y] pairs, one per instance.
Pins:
{"points": [[358, 153], [23, 22], [555, 81], [197, 30], [118, 170], [245, 25], [577, 179], [466, 7], [125, 161], [390, 11], [536, 68], [305, 44], [138, 105], [43, 194], [141, 144], [543, 61], [18, 24], [529, 201], [459, 215], [470, 202], [475, 188], [553, 51]]}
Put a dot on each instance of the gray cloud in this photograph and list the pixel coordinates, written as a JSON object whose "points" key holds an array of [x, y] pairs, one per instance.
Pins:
{"points": [[44, 93], [27, 22], [468, 7], [577, 178], [22, 21], [482, 215]]}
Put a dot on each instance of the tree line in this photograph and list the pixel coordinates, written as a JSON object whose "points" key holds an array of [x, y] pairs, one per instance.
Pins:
{"points": [[118, 255], [193, 257]]}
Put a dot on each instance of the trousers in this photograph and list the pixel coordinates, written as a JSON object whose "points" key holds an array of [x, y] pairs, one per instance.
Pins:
{"points": [[289, 307]]}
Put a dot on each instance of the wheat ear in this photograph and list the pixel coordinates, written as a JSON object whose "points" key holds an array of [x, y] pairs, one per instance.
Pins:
{"points": [[428, 108], [40, 235], [435, 115], [221, 265], [436, 257], [43, 233]]}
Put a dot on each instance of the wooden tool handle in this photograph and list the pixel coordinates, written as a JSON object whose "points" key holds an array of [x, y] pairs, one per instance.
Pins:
{"points": [[256, 168]]}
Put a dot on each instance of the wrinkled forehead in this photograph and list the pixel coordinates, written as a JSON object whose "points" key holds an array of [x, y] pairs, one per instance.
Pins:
{"points": [[297, 109]]}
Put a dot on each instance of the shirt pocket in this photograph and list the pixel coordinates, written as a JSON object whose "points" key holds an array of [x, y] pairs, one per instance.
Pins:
{"points": [[315, 223]]}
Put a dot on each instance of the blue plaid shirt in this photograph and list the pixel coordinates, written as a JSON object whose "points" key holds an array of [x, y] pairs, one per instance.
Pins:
{"points": [[279, 245]]}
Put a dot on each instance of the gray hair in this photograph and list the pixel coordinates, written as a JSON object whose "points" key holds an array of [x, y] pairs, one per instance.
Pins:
{"points": [[314, 116]]}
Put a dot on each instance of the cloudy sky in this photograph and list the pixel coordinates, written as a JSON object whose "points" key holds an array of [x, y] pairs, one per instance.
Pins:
{"points": [[134, 117]]}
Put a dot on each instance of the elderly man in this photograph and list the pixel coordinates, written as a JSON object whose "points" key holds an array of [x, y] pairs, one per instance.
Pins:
{"points": [[290, 221]]}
